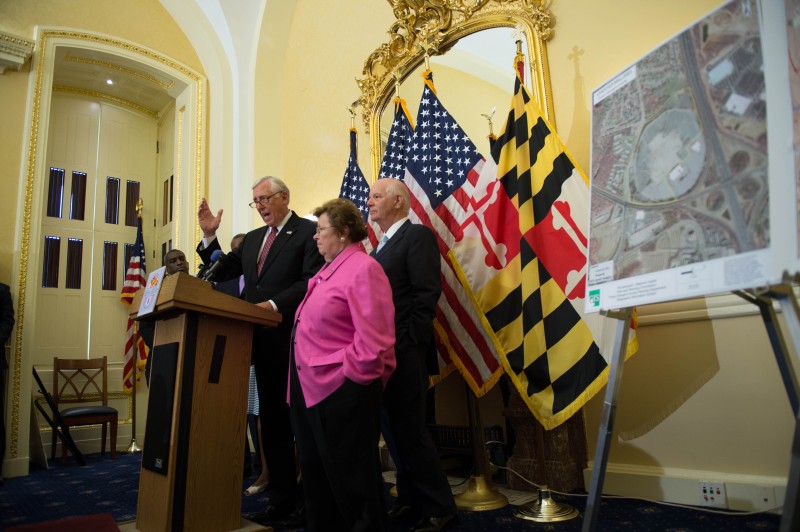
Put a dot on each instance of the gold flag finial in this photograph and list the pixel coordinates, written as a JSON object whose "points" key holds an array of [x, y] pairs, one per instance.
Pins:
{"points": [[396, 84], [139, 207], [489, 119], [352, 111]]}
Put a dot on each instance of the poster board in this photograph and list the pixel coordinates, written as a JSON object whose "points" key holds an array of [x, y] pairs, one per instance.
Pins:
{"points": [[692, 164]]}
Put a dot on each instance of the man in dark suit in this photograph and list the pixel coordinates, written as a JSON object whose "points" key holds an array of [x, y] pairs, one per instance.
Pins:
{"points": [[409, 255], [277, 261], [6, 324]]}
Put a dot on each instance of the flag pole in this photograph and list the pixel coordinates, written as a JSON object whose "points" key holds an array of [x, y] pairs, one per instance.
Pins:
{"points": [[133, 447], [480, 494]]}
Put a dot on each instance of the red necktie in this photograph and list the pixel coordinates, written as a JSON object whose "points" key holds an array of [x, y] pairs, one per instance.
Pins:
{"points": [[263, 257]]}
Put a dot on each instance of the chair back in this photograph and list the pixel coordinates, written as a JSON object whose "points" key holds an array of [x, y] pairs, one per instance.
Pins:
{"points": [[80, 380]]}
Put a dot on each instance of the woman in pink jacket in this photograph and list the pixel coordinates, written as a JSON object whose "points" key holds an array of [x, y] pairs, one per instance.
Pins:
{"points": [[342, 356]]}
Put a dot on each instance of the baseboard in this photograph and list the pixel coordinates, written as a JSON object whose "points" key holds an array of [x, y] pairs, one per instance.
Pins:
{"points": [[743, 492], [16, 467]]}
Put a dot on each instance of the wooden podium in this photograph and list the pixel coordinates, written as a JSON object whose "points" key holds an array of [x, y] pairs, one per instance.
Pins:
{"points": [[192, 459]]}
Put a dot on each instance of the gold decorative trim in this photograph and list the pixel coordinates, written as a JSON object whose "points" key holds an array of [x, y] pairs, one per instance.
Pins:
{"points": [[120, 68], [178, 165], [108, 98], [33, 144], [14, 51], [435, 26]]}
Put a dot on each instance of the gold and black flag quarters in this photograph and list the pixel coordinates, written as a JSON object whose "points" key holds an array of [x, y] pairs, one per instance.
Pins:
{"points": [[528, 275]]}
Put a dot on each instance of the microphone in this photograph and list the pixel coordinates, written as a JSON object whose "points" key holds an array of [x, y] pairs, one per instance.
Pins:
{"points": [[218, 259]]}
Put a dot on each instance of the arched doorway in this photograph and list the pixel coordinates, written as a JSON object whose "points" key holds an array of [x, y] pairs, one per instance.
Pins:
{"points": [[66, 64]]}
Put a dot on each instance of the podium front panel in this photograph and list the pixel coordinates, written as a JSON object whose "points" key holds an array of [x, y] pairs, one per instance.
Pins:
{"points": [[202, 488]]}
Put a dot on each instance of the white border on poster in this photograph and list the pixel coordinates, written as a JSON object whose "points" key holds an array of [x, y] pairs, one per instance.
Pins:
{"points": [[780, 147], [745, 270]]}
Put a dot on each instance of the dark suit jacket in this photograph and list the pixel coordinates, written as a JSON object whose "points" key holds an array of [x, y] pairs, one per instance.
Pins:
{"points": [[412, 263], [292, 260], [6, 321]]}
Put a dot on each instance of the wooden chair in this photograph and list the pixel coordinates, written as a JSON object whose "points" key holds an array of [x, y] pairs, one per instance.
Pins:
{"points": [[83, 381]]}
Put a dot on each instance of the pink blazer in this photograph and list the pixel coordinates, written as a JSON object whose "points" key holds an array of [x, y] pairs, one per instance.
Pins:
{"points": [[344, 327]]}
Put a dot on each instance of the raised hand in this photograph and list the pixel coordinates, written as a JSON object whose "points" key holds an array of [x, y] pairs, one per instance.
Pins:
{"points": [[206, 219]]}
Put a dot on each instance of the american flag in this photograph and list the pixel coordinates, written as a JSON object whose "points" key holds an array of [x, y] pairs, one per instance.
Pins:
{"points": [[135, 278], [355, 188], [442, 162], [394, 158]]}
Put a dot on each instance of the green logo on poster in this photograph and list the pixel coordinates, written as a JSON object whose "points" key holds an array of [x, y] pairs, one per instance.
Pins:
{"points": [[594, 297]]}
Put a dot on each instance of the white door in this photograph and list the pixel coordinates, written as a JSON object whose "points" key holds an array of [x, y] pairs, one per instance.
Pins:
{"points": [[102, 158]]}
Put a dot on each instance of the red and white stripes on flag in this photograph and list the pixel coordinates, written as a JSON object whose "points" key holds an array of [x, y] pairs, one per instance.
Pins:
{"points": [[135, 279], [441, 162]]}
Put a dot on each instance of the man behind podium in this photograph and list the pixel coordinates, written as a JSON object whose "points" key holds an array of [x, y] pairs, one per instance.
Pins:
{"points": [[277, 261], [174, 261]]}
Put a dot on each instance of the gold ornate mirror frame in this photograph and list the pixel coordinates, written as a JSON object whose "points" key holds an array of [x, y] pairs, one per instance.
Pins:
{"points": [[436, 26]]}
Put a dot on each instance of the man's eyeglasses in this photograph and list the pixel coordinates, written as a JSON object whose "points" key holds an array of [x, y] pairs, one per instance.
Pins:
{"points": [[262, 200]]}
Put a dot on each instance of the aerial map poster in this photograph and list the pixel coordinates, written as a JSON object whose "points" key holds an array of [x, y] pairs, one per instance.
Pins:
{"points": [[680, 180], [793, 47]]}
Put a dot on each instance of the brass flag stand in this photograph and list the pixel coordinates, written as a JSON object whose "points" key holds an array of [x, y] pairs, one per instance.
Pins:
{"points": [[544, 509], [133, 447], [480, 494]]}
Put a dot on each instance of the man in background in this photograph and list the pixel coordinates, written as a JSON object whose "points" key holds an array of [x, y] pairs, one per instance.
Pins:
{"points": [[174, 261], [6, 324], [409, 255], [277, 260]]}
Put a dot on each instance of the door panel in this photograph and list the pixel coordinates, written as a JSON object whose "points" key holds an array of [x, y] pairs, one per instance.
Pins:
{"points": [[90, 142]]}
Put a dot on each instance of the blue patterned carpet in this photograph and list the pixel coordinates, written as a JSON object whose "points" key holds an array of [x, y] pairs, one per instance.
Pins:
{"points": [[111, 486]]}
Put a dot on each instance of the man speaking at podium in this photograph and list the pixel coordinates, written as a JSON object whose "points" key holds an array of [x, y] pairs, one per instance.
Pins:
{"points": [[277, 261]]}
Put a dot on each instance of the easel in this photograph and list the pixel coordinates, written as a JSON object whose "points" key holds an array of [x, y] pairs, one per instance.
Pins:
{"points": [[784, 295], [56, 423], [607, 420]]}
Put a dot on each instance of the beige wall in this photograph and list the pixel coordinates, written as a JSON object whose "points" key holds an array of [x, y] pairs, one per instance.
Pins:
{"points": [[120, 19], [144, 23]]}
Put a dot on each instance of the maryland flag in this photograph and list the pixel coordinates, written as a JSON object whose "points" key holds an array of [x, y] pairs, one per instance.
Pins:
{"points": [[135, 278], [523, 261]]}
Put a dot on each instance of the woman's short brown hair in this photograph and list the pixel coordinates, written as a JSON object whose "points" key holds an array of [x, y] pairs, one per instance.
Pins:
{"points": [[343, 214]]}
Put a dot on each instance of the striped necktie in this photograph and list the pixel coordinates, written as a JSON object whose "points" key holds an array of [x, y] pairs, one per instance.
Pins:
{"points": [[267, 244]]}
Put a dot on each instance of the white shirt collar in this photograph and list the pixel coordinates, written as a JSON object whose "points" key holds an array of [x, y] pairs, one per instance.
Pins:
{"points": [[395, 227]]}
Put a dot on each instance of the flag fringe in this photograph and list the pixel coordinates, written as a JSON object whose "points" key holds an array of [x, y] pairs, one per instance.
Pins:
{"points": [[548, 422], [456, 363]]}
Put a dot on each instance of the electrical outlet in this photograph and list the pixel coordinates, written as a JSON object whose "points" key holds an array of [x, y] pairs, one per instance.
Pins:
{"points": [[713, 494]]}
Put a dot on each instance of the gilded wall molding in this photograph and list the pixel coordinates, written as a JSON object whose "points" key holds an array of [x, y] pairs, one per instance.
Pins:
{"points": [[433, 27], [14, 51], [120, 68], [193, 80], [107, 98]]}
